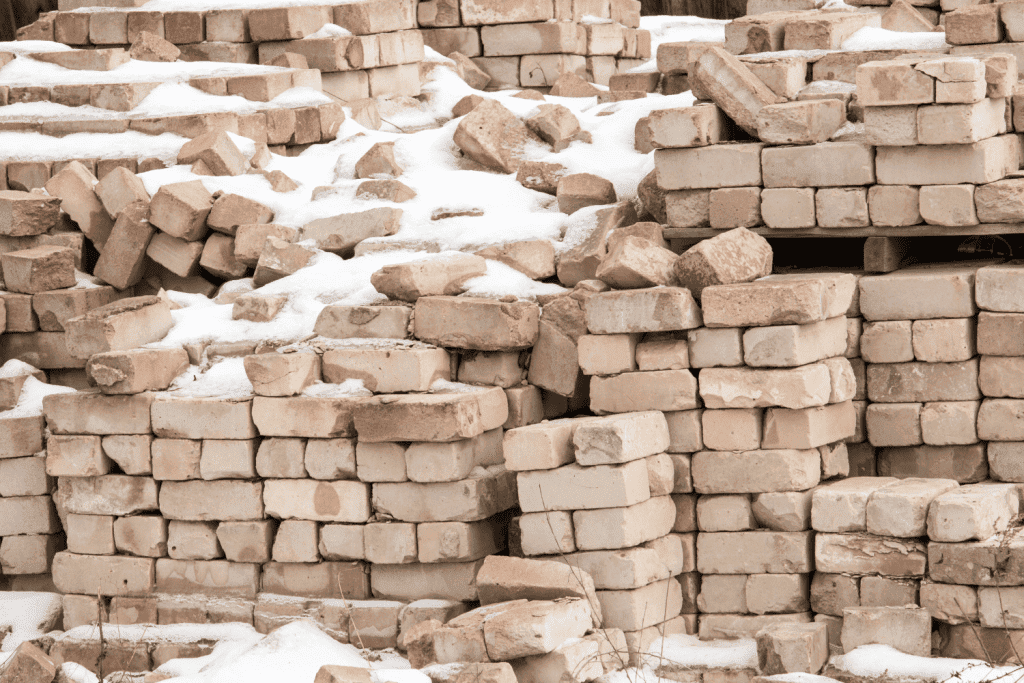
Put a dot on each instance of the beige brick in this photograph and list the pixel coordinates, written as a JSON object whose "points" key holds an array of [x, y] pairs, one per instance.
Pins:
{"points": [[696, 126], [888, 341], [737, 429], [90, 534], [118, 326], [974, 512], [305, 416], [893, 83], [482, 324], [808, 427], [466, 501], [959, 463], [900, 509], [783, 511], [826, 164], [725, 513], [210, 577], [918, 382], [794, 345], [788, 207], [661, 390], [977, 163], [777, 300], [894, 424], [735, 165], [144, 536], [802, 387], [387, 370], [621, 438], [112, 494], [894, 205], [175, 459], [623, 527], [999, 334], [438, 416], [841, 507], [136, 370], [867, 554], [651, 310], [755, 552], [452, 581], [907, 629], [755, 471], [105, 575], [211, 500], [997, 288], [715, 347], [562, 488], [38, 269], [999, 376], [949, 205]]}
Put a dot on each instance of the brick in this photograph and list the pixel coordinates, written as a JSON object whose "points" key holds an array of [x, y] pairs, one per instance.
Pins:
{"points": [[623, 527], [978, 163], [867, 554], [965, 464], [802, 387], [211, 500], [907, 629], [754, 552], [755, 471], [469, 500], [123, 259], [144, 536], [732, 165], [562, 488], [900, 509], [826, 164], [918, 382], [776, 300], [105, 575]]}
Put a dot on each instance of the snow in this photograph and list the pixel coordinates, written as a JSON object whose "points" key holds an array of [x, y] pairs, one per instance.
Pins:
{"points": [[27, 71], [167, 633], [874, 661], [30, 403], [689, 651], [874, 38], [294, 652], [133, 145], [16, 368], [398, 676], [224, 379], [668, 29], [28, 614], [350, 387], [329, 31]]}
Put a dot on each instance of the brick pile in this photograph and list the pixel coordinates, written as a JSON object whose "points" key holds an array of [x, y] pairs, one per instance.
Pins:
{"points": [[977, 30], [533, 43], [940, 156], [293, 125], [379, 57], [30, 533]]}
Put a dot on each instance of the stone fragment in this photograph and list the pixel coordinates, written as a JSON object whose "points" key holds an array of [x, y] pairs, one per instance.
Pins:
{"points": [[729, 83], [492, 136]]}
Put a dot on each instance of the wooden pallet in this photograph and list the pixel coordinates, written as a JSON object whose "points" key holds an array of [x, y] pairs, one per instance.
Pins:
{"points": [[884, 248]]}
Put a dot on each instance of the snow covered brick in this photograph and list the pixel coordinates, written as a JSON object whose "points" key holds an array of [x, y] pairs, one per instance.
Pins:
{"points": [[180, 209], [433, 276], [215, 149]]}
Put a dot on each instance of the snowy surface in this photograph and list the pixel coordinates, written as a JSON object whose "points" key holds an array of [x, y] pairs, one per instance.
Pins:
{"points": [[873, 661], [294, 652], [27, 71], [30, 403], [685, 651], [28, 614], [874, 38]]}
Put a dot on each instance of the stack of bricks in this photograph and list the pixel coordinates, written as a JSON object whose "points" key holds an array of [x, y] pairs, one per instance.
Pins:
{"points": [[919, 347], [531, 44], [269, 503], [30, 532], [942, 129], [774, 423], [295, 124], [935, 148], [596, 493], [870, 549], [986, 29], [41, 287], [379, 57]]}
